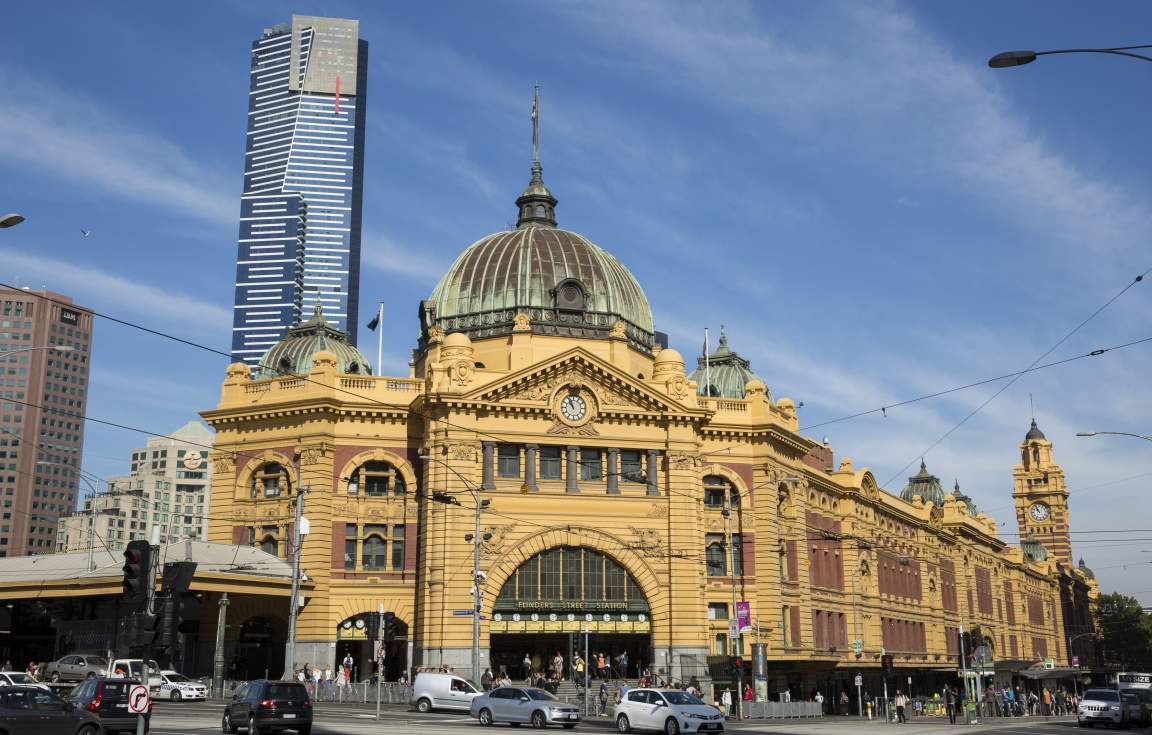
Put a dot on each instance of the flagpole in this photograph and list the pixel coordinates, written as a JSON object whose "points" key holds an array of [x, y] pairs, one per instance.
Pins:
{"points": [[707, 367], [380, 338]]}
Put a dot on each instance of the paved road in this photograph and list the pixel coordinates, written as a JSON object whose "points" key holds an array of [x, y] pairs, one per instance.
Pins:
{"points": [[194, 718]]}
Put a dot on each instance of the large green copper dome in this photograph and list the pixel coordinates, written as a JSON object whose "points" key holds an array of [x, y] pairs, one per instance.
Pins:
{"points": [[293, 354], [563, 283]]}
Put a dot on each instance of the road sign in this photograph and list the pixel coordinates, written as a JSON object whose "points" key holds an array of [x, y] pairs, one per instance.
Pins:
{"points": [[1075, 662], [463, 612], [1049, 663], [138, 702], [859, 680], [857, 646]]}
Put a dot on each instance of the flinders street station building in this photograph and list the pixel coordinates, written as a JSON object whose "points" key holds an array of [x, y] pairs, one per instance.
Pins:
{"points": [[552, 464]]}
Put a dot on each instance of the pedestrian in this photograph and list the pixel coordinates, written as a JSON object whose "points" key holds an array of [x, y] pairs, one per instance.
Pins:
{"points": [[622, 664], [747, 696], [340, 681], [557, 666], [819, 699], [602, 697], [844, 704], [577, 670], [950, 704], [317, 677], [328, 682], [526, 667], [601, 666], [486, 680], [901, 703], [726, 700]]}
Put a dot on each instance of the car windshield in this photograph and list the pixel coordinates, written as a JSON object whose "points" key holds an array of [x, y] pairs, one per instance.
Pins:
{"points": [[540, 695], [96, 660], [1130, 697], [681, 698], [1102, 695], [135, 668], [20, 678], [177, 677]]}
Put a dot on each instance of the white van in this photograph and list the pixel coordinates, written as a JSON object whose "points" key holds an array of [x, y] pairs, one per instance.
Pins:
{"points": [[432, 690], [133, 668]]}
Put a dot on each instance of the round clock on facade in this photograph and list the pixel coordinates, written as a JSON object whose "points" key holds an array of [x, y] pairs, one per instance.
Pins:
{"points": [[573, 407], [192, 461], [1039, 511]]}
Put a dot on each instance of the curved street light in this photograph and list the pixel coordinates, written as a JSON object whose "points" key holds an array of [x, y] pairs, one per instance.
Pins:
{"points": [[11, 220], [51, 348], [1145, 437], [1006, 59]]}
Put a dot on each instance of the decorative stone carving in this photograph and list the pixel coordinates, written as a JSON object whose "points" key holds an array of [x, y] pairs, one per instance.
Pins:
{"points": [[460, 372], [713, 524], [312, 454], [462, 451], [222, 464], [678, 387], [346, 510], [493, 546], [684, 461], [537, 391], [521, 323], [657, 510], [559, 428], [648, 543], [612, 398], [435, 335], [618, 331]]}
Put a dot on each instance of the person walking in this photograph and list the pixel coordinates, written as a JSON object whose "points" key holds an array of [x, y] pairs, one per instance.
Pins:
{"points": [[726, 701], [526, 667], [577, 670], [602, 697], [486, 680], [328, 682], [901, 703], [950, 704], [601, 665]]}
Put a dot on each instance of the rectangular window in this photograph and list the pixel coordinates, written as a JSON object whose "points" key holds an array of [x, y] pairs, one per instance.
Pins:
{"points": [[614, 582], [397, 548], [983, 591], [593, 575], [550, 575], [721, 644], [350, 546], [550, 463], [572, 568], [631, 469], [508, 460], [528, 579], [713, 497], [590, 465], [374, 550], [717, 611]]}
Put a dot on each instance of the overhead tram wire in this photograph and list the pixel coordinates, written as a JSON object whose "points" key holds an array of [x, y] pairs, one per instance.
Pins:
{"points": [[1013, 380]]}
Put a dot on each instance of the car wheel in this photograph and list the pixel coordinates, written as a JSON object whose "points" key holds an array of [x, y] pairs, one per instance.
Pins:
{"points": [[253, 728], [671, 726], [87, 730], [538, 720], [55, 677], [485, 717], [91, 675], [622, 724], [175, 695], [424, 705], [226, 725]]}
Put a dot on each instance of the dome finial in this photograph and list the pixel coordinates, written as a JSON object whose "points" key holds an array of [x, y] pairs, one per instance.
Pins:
{"points": [[537, 205]]}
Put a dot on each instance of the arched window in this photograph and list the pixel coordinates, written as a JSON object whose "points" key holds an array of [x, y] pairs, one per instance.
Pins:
{"points": [[270, 481], [571, 577], [714, 487], [374, 552], [715, 556], [1036, 455], [270, 545], [376, 479]]}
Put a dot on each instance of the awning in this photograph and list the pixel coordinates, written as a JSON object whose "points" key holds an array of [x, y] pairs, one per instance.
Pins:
{"points": [[1013, 665], [1057, 673]]}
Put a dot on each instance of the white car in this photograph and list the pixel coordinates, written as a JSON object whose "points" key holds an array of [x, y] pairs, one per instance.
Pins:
{"points": [[176, 687], [1103, 706], [669, 711], [19, 677]]}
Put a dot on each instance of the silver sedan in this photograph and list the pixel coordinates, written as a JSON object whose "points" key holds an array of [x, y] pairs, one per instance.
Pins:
{"points": [[515, 705]]}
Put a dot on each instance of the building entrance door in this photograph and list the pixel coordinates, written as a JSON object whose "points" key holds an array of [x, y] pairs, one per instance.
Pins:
{"points": [[509, 649]]}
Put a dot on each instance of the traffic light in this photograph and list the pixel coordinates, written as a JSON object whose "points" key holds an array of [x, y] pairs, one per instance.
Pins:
{"points": [[178, 576], [372, 626], [389, 633], [735, 665], [137, 563], [964, 640], [886, 664], [164, 623]]}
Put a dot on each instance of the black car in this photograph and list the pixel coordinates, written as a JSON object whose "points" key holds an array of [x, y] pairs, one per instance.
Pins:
{"points": [[33, 709], [108, 700], [269, 706]]}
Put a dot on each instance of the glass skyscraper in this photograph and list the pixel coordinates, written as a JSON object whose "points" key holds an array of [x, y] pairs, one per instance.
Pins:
{"points": [[303, 179]]}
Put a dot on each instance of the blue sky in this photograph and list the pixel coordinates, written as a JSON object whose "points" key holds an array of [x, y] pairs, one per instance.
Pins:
{"points": [[871, 211]]}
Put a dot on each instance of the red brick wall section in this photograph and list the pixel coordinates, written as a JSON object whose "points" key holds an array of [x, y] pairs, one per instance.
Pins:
{"points": [[341, 455], [744, 470], [1009, 602], [338, 537], [239, 535], [819, 458], [747, 551], [793, 561], [794, 612]]}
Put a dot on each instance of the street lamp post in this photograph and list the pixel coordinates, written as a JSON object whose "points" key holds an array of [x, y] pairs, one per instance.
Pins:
{"points": [[49, 348], [1007, 59], [11, 220], [1145, 437]]}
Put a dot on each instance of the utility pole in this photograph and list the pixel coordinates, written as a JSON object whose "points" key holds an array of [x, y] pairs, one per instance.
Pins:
{"points": [[150, 587], [737, 643], [92, 531], [290, 654], [218, 654], [964, 668], [477, 581]]}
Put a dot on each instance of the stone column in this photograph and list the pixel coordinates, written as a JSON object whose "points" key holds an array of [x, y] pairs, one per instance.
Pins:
{"points": [[573, 470], [613, 471], [530, 467], [489, 473], [653, 472]]}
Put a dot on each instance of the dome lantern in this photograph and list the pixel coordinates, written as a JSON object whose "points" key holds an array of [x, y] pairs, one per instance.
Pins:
{"points": [[293, 354], [724, 374]]}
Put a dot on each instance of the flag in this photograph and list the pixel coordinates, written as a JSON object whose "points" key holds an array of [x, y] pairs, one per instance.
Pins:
{"points": [[375, 322], [337, 103], [705, 351]]}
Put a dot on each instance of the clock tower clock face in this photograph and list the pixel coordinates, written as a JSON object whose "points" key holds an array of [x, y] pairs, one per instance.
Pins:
{"points": [[1039, 511], [573, 408]]}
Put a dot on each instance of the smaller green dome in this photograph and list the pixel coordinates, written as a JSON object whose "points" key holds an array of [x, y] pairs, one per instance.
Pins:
{"points": [[293, 354], [926, 485], [724, 374]]}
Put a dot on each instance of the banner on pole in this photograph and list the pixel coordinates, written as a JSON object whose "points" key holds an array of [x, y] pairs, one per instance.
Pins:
{"points": [[744, 616]]}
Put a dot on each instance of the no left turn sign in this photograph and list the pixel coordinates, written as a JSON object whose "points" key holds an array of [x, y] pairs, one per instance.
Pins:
{"points": [[138, 699]]}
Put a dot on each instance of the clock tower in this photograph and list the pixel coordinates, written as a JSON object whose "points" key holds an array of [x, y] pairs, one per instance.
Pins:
{"points": [[1041, 497]]}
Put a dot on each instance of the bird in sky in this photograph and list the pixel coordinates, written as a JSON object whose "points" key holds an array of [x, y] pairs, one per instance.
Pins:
{"points": [[85, 232]]}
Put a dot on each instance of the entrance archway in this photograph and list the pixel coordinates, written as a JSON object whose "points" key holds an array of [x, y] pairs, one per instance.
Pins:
{"points": [[548, 603], [354, 638]]}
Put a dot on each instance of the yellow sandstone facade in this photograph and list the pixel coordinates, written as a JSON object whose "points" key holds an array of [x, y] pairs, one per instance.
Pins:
{"points": [[541, 390]]}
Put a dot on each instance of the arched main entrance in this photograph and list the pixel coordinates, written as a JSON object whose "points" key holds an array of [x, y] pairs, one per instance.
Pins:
{"points": [[355, 638], [551, 599]]}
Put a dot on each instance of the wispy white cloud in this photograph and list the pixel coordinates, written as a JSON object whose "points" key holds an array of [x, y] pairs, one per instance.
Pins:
{"points": [[57, 132], [382, 252], [115, 293]]}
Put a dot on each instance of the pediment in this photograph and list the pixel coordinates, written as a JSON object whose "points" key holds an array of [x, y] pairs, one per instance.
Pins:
{"points": [[614, 390]]}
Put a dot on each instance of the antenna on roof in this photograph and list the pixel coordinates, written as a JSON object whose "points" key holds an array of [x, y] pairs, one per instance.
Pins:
{"points": [[1031, 407]]}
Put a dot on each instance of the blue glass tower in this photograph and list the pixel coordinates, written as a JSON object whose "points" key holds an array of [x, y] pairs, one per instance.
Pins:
{"points": [[300, 210]]}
